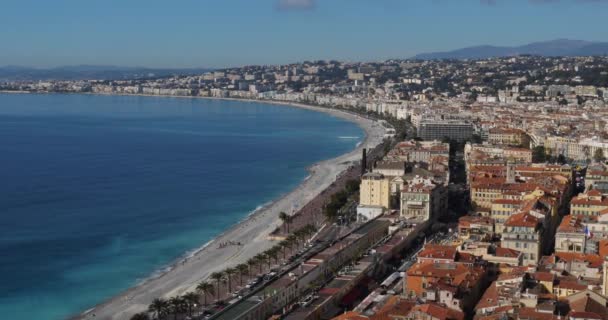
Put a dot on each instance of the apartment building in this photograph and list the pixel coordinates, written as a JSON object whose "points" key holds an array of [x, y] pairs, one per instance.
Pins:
{"points": [[591, 203], [523, 232], [458, 130], [422, 200], [508, 136]]}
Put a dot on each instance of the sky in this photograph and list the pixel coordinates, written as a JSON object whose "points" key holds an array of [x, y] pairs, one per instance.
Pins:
{"points": [[225, 33]]}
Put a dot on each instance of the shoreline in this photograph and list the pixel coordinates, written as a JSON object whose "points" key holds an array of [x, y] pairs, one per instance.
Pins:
{"points": [[182, 275]]}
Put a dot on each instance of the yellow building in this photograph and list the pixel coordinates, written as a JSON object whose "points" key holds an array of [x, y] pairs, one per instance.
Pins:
{"points": [[589, 204], [501, 210], [375, 190], [483, 194], [508, 136]]}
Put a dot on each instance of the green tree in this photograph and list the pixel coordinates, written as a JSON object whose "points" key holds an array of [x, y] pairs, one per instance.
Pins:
{"points": [[140, 316], [228, 273], [159, 308], [475, 138], [176, 305], [252, 263], [284, 245], [205, 288], [242, 269], [598, 155], [191, 300], [273, 253], [286, 219], [539, 154], [352, 185], [217, 276], [267, 258], [261, 259]]}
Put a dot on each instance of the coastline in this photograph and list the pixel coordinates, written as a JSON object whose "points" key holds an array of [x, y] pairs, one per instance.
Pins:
{"points": [[182, 275]]}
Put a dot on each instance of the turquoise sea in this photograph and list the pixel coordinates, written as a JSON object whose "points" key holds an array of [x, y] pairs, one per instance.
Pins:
{"points": [[98, 193]]}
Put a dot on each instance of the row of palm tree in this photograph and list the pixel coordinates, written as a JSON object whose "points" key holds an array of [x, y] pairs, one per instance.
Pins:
{"points": [[266, 258], [161, 308], [287, 219]]}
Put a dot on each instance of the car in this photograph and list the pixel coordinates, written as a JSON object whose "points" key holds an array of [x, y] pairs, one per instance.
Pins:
{"points": [[308, 300]]}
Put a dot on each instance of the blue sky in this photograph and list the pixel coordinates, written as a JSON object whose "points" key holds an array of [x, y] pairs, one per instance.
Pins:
{"points": [[218, 33]]}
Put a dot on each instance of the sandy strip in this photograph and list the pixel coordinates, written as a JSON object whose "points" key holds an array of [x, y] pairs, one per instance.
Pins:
{"points": [[252, 232]]}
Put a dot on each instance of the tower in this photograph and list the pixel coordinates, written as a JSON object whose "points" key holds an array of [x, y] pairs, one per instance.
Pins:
{"points": [[364, 162]]}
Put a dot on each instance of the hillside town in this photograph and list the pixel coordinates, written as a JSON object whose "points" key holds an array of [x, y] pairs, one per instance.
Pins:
{"points": [[487, 200]]}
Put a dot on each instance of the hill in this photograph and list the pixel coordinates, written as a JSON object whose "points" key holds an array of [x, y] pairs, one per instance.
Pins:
{"points": [[553, 48], [90, 72]]}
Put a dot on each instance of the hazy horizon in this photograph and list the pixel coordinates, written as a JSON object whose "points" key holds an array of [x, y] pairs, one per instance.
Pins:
{"points": [[213, 34]]}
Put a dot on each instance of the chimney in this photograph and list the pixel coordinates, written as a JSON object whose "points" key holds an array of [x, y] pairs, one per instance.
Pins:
{"points": [[364, 162]]}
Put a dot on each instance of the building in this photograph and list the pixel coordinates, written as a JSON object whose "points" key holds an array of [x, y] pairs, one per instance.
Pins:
{"points": [[523, 232], [390, 168], [570, 235], [508, 136], [374, 190], [433, 311], [418, 151], [458, 130], [590, 203], [455, 285], [503, 209], [422, 200]]}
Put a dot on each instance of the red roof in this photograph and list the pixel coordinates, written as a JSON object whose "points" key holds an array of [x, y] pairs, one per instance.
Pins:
{"points": [[522, 219], [507, 253]]}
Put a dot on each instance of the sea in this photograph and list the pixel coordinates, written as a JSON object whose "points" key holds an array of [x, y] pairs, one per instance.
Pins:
{"points": [[98, 193]]}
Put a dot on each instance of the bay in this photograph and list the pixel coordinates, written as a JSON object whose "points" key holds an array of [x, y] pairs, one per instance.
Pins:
{"points": [[98, 193]]}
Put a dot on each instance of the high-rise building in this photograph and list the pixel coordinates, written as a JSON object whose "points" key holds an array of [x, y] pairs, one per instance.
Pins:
{"points": [[458, 130]]}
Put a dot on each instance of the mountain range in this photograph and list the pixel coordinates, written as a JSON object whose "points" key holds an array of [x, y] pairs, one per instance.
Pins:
{"points": [[91, 72], [553, 48]]}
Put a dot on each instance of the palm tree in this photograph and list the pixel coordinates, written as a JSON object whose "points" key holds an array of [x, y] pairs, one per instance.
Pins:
{"points": [[274, 252], [261, 258], [191, 300], [251, 263], [242, 269], [176, 304], [205, 288], [267, 258], [301, 234], [293, 239], [229, 273], [310, 229], [285, 218], [140, 316], [217, 276], [158, 307], [284, 245]]}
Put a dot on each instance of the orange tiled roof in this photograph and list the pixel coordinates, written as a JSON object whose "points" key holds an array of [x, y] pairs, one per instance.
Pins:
{"points": [[570, 224], [522, 219], [438, 252], [438, 312], [507, 253], [594, 260]]}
